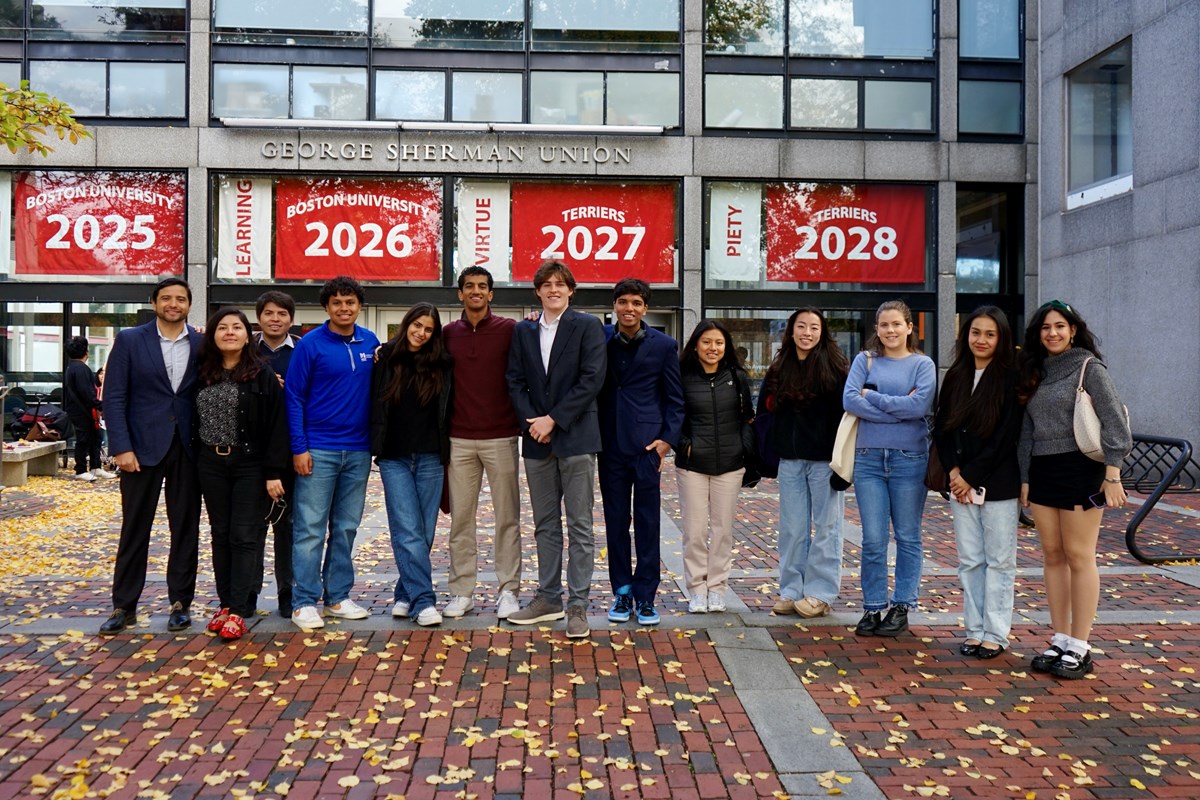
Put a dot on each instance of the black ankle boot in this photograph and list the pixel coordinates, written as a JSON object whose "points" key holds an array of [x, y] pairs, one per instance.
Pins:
{"points": [[868, 624], [895, 623]]}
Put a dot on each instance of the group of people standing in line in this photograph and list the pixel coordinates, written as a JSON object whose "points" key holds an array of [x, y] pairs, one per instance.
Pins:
{"points": [[275, 430]]}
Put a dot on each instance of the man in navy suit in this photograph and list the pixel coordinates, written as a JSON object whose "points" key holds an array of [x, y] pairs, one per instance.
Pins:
{"points": [[149, 397], [555, 371], [641, 417]]}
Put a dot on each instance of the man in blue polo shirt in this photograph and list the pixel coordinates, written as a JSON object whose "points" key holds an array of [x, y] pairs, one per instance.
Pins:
{"points": [[328, 391]]}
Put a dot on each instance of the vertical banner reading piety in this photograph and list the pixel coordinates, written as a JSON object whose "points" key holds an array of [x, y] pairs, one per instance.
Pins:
{"points": [[735, 232], [244, 229], [483, 221]]}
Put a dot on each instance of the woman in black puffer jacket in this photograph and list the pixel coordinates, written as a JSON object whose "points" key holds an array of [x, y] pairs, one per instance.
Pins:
{"points": [[710, 460]]}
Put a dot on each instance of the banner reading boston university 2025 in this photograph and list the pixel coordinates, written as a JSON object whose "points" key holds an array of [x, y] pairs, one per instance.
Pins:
{"points": [[846, 233], [371, 229], [99, 223], [604, 232]]}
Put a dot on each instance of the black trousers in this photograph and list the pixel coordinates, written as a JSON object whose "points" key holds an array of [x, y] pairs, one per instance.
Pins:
{"points": [[283, 545], [139, 503], [235, 494], [87, 444], [622, 480]]}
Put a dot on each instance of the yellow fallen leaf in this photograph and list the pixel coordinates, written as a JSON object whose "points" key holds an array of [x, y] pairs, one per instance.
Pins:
{"points": [[348, 781]]}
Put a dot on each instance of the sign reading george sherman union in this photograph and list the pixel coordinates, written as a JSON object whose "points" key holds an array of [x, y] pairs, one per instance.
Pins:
{"points": [[447, 153]]}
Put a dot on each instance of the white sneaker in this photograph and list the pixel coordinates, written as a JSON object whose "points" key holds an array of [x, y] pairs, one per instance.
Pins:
{"points": [[458, 606], [401, 609], [698, 604], [307, 618], [507, 604], [102, 473], [716, 602], [429, 616], [83, 476], [347, 609]]}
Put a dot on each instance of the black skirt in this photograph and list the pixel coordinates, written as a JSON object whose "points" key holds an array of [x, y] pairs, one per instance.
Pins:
{"points": [[1064, 480]]}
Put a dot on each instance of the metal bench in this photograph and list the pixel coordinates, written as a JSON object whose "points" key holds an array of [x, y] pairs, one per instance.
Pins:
{"points": [[1158, 465], [32, 458]]}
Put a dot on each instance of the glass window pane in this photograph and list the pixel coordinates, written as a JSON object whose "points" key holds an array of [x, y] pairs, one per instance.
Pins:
{"points": [[744, 27], [982, 230], [643, 98], [108, 20], [900, 28], [490, 24], [1100, 119], [898, 105], [79, 84], [989, 28], [487, 96], [818, 103], [743, 101], [12, 19], [10, 73], [31, 347], [100, 323], [408, 94], [283, 16], [250, 90], [989, 107], [606, 24], [147, 90], [566, 98], [329, 93]]}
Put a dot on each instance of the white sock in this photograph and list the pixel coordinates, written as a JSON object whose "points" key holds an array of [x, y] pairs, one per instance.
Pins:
{"points": [[1078, 646], [1061, 641]]}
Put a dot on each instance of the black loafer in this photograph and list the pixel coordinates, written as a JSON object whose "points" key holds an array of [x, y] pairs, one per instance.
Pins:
{"points": [[1044, 661], [967, 649], [1079, 666], [989, 652], [895, 623], [180, 619], [868, 624], [119, 620]]}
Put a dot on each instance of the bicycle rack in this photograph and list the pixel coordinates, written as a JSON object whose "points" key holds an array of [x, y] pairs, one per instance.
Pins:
{"points": [[1157, 465]]}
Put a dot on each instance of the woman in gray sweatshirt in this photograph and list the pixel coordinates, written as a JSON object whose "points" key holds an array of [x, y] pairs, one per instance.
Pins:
{"points": [[1066, 490]]}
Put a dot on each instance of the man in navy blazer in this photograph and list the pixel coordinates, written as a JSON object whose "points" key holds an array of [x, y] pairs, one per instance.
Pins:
{"points": [[641, 417], [149, 405], [555, 371]]}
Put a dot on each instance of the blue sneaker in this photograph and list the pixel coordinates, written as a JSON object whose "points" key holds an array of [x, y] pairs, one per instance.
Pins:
{"points": [[622, 607], [646, 614]]}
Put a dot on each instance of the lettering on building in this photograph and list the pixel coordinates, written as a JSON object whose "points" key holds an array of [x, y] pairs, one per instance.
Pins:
{"points": [[445, 153]]}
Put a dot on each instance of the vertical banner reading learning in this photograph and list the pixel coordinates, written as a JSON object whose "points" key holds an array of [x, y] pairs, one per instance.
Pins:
{"points": [[244, 229]]}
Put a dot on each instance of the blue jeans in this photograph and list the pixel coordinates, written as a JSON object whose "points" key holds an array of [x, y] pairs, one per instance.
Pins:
{"points": [[329, 501], [412, 490], [987, 566], [890, 484], [810, 531]]}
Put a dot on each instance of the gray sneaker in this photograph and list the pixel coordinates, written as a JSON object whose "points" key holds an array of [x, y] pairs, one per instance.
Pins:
{"points": [[577, 624], [539, 610]]}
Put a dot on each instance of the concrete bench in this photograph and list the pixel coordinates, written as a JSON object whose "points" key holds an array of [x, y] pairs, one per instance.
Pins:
{"points": [[34, 458]]}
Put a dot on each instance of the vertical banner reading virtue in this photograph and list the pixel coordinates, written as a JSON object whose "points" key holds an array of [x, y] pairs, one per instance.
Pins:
{"points": [[244, 229], [735, 232], [483, 227]]}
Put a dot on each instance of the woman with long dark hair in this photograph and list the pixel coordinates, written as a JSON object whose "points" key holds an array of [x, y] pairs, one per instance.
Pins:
{"points": [[710, 460], [410, 438], [890, 389], [1066, 490], [977, 425], [803, 391], [243, 454]]}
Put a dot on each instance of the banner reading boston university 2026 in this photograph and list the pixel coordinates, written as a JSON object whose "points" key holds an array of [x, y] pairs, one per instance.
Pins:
{"points": [[371, 229], [99, 223], [605, 232], [846, 233]]}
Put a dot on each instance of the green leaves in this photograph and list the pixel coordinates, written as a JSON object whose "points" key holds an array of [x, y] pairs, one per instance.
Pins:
{"points": [[26, 116]]}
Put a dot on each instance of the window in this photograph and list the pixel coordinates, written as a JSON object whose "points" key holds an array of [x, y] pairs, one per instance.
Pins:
{"points": [[407, 94], [743, 101], [487, 96], [862, 28], [597, 98], [898, 105], [250, 90], [108, 21], [10, 73], [991, 75], [483, 24], [114, 89], [989, 29], [606, 25], [290, 21], [1100, 127], [989, 107], [821, 103], [744, 27]]}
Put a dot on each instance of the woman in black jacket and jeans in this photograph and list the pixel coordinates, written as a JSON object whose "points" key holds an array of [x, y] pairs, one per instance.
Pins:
{"points": [[710, 460]]}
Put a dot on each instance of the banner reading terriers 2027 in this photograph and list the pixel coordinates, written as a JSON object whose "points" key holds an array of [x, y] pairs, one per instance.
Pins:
{"points": [[846, 233], [604, 232], [99, 223], [371, 229]]}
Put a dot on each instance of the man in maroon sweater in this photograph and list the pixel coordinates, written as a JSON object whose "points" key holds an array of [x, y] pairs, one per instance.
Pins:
{"points": [[483, 437]]}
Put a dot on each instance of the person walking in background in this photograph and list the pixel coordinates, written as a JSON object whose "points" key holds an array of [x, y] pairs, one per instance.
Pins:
{"points": [[803, 392], [410, 438], [976, 428], [710, 460], [243, 452], [1066, 490], [890, 389], [641, 416], [82, 404]]}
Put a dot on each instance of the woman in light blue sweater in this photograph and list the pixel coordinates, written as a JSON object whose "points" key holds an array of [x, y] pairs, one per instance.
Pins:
{"points": [[890, 389]]}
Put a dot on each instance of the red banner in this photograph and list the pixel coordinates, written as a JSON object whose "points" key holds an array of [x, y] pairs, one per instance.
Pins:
{"points": [[370, 229], [846, 233], [99, 223], [603, 232]]}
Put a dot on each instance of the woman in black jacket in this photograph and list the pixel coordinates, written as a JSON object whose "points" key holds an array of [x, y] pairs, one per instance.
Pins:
{"points": [[710, 460], [977, 426], [243, 453]]}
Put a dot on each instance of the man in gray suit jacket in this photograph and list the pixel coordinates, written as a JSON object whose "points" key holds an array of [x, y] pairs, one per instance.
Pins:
{"points": [[556, 368]]}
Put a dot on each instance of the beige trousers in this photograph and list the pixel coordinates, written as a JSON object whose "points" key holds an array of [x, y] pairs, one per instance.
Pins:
{"points": [[469, 460], [708, 503]]}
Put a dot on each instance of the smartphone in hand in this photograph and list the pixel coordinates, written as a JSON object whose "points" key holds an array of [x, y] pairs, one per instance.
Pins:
{"points": [[977, 495]]}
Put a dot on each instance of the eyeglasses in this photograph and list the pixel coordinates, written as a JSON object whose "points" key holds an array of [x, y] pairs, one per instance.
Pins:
{"points": [[1057, 305], [276, 512]]}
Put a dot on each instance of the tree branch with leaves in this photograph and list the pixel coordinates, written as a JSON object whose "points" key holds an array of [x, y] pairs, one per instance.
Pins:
{"points": [[27, 118]]}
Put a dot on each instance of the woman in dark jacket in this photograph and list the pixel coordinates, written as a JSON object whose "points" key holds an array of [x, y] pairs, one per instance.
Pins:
{"points": [[976, 429], [410, 438], [243, 453], [711, 460]]}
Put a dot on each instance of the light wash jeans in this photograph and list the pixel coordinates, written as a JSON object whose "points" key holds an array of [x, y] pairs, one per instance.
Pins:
{"points": [[810, 531], [412, 490], [328, 502], [890, 485], [987, 566]]}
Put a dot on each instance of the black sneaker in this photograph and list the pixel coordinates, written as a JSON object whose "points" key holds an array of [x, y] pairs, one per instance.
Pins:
{"points": [[1044, 661], [868, 624], [895, 623], [1072, 665], [622, 607]]}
